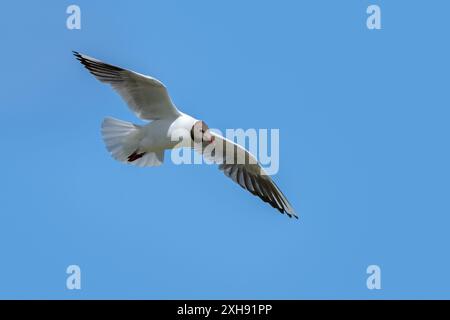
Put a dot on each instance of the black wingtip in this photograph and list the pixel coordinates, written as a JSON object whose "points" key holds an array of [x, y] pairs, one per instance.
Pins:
{"points": [[290, 215], [294, 215], [77, 55]]}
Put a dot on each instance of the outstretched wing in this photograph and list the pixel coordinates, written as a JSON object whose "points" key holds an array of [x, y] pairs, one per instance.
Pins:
{"points": [[242, 167], [146, 96]]}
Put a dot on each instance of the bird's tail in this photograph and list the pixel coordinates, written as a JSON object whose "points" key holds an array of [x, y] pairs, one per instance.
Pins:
{"points": [[120, 138], [122, 141]]}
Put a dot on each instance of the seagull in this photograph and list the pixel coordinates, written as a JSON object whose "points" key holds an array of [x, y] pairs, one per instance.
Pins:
{"points": [[144, 145]]}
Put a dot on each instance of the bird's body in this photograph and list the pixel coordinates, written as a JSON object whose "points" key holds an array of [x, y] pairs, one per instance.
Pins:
{"points": [[158, 134], [144, 145], [124, 138]]}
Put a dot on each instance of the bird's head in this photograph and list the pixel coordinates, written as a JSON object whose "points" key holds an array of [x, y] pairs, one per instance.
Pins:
{"points": [[200, 133]]}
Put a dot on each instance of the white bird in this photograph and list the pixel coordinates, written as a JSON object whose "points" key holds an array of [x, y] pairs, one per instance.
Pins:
{"points": [[145, 145]]}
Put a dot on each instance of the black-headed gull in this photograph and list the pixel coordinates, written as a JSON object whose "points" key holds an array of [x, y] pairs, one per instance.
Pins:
{"points": [[145, 145]]}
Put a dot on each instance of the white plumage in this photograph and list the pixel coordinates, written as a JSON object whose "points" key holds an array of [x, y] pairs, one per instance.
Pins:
{"points": [[144, 145]]}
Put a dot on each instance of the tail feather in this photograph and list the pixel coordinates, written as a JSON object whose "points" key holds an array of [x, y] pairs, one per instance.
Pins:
{"points": [[122, 141], [120, 138]]}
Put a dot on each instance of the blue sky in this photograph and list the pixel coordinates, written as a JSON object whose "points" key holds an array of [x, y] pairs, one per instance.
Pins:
{"points": [[363, 118]]}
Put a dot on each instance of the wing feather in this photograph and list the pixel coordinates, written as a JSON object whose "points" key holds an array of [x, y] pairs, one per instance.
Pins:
{"points": [[248, 175], [147, 97]]}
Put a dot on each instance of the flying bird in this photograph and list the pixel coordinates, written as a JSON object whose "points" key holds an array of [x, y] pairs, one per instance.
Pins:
{"points": [[144, 145]]}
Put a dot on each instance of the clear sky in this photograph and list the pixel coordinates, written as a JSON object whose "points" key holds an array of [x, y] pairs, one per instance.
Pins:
{"points": [[364, 159]]}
